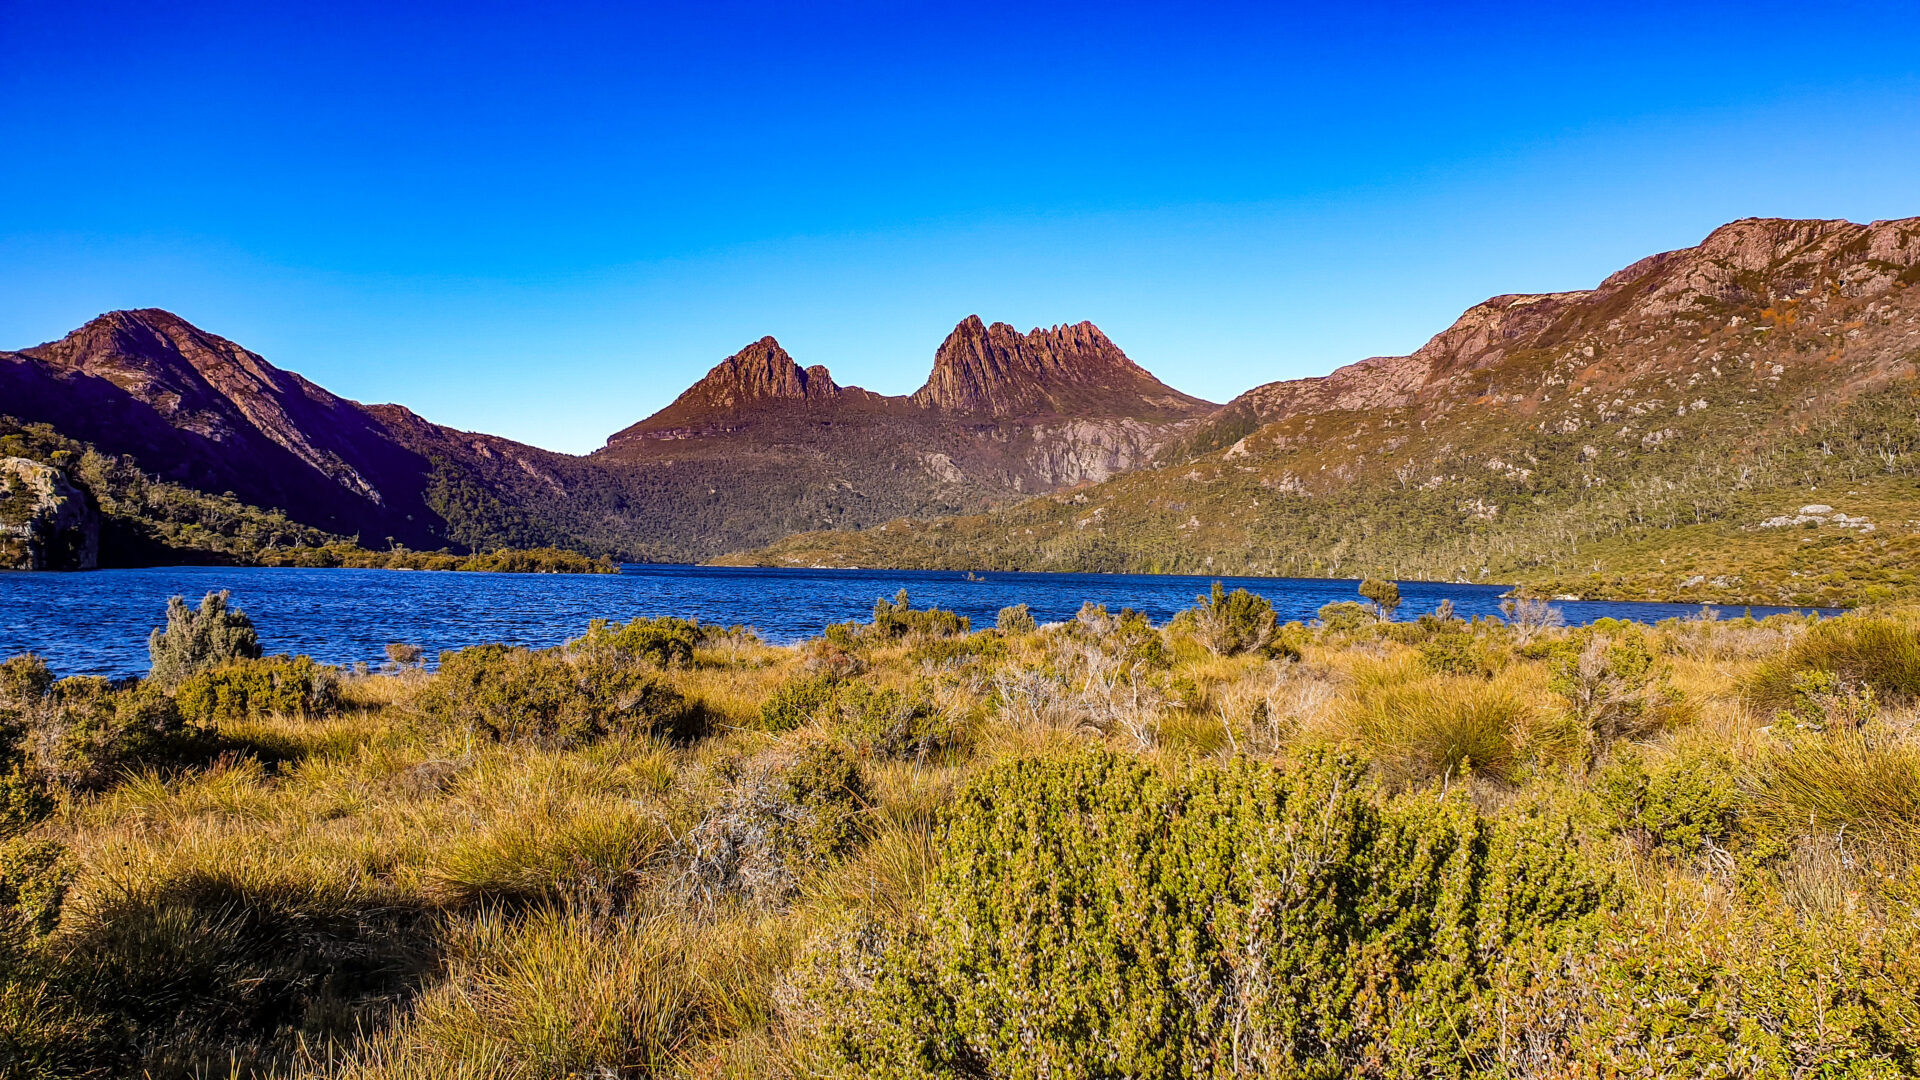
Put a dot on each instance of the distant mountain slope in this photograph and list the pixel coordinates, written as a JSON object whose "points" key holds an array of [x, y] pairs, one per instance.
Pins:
{"points": [[758, 449], [1722, 422], [204, 412]]}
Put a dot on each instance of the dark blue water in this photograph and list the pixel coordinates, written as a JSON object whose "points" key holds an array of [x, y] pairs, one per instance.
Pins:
{"points": [[97, 623]]}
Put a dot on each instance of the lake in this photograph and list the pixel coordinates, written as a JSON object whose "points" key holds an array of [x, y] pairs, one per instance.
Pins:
{"points": [[97, 622]]}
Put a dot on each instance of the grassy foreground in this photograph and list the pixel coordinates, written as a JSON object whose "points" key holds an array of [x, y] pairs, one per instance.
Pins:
{"points": [[1220, 848]]}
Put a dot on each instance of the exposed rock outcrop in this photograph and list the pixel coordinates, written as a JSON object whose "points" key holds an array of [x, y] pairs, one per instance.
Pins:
{"points": [[1064, 370], [46, 521]]}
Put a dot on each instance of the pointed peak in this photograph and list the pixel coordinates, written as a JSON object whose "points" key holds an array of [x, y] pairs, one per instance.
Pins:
{"points": [[995, 370], [760, 376]]}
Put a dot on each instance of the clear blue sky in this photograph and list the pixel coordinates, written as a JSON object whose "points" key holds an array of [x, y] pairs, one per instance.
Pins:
{"points": [[544, 220]]}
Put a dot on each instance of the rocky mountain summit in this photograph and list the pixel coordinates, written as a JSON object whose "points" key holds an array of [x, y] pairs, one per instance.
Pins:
{"points": [[1072, 370]]}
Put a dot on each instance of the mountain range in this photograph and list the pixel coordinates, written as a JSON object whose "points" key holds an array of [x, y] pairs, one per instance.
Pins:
{"points": [[1731, 421], [757, 449]]}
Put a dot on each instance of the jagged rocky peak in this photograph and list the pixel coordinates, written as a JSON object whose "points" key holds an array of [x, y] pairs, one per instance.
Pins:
{"points": [[760, 372], [759, 377], [998, 371]]}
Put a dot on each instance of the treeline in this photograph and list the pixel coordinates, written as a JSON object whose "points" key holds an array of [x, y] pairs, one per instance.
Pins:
{"points": [[547, 560]]}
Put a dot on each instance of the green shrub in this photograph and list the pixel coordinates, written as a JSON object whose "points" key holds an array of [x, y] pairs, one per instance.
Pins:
{"points": [[1229, 624], [899, 619], [1017, 619], [1686, 988], [1879, 654], [252, 689], [889, 723], [24, 680], [34, 877], [1091, 918], [552, 698], [86, 732], [1346, 617], [797, 701], [665, 641], [1823, 701], [1678, 807], [193, 641], [1456, 652]]}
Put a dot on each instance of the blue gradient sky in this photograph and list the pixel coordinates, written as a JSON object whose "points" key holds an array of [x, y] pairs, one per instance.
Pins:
{"points": [[543, 221]]}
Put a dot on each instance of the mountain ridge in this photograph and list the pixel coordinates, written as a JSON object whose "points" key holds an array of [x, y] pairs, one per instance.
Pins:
{"points": [[758, 448], [1610, 441]]}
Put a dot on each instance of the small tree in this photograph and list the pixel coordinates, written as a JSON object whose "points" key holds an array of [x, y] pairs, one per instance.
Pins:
{"points": [[1384, 594], [195, 641], [1232, 623]]}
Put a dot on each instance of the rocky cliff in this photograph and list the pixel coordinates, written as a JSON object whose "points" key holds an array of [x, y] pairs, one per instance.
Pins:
{"points": [[46, 522]]}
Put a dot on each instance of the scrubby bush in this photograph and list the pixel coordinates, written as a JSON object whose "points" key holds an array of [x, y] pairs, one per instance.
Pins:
{"points": [[1614, 685], [1823, 701], [34, 878], [1878, 654], [892, 621], [1229, 624], [86, 732], [552, 698], [401, 655], [1092, 918], [1683, 987], [1017, 619], [665, 641], [1530, 616], [1678, 806], [1454, 651], [252, 689], [193, 641], [891, 723], [1126, 636], [779, 814], [959, 651], [797, 701], [1345, 617]]}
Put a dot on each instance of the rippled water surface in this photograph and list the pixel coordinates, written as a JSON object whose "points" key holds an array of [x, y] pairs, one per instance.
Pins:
{"points": [[97, 623]]}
